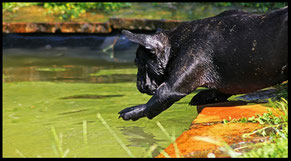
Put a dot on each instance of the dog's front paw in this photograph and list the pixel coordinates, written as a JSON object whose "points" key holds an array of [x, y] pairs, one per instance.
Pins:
{"points": [[132, 113]]}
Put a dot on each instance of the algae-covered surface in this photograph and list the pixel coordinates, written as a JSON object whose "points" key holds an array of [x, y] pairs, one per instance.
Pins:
{"points": [[42, 94]]}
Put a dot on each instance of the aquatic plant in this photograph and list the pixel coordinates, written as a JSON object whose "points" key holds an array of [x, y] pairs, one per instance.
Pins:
{"points": [[172, 139], [58, 148], [115, 136]]}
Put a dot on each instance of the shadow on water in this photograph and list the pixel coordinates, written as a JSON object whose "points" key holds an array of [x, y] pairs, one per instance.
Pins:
{"points": [[71, 112], [260, 96], [221, 104], [88, 96], [138, 138]]}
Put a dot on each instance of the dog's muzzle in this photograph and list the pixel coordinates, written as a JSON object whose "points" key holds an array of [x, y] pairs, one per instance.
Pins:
{"points": [[149, 89]]}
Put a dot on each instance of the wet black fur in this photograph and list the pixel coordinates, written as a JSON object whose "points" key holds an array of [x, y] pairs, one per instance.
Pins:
{"points": [[234, 52]]}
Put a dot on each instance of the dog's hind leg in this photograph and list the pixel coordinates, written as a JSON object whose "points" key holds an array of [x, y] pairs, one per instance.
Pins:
{"points": [[209, 96]]}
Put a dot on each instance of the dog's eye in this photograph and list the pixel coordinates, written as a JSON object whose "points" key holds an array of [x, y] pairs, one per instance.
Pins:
{"points": [[152, 51]]}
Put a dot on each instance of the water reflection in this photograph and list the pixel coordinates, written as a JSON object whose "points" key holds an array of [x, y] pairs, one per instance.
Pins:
{"points": [[22, 67], [76, 55], [71, 74]]}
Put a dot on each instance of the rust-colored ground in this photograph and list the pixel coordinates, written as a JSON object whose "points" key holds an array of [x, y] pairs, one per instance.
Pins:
{"points": [[214, 114], [209, 124]]}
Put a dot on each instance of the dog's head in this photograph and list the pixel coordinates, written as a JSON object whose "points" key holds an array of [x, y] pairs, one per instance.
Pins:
{"points": [[151, 59]]}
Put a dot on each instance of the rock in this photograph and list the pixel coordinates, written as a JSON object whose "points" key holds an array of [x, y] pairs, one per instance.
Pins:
{"points": [[84, 27], [73, 27], [217, 114], [66, 27], [22, 27], [208, 124]]}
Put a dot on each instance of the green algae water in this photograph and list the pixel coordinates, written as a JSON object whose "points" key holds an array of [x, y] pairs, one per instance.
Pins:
{"points": [[50, 107]]}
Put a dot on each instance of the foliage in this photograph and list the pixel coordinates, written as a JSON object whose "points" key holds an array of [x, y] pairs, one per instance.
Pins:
{"points": [[14, 6], [282, 90], [276, 149], [71, 10], [68, 10], [276, 127]]}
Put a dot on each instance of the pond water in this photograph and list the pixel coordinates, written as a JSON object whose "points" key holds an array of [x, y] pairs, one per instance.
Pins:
{"points": [[52, 93]]}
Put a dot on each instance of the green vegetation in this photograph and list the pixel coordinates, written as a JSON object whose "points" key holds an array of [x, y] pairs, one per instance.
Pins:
{"points": [[68, 11], [278, 148], [14, 6], [282, 90], [275, 127]]}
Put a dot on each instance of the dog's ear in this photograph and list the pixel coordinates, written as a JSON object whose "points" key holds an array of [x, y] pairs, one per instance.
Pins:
{"points": [[152, 42]]}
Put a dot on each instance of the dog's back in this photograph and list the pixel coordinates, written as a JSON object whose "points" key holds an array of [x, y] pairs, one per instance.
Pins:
{"points": [[247, 51]]}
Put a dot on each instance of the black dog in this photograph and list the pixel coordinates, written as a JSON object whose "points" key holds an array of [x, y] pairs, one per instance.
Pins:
{"points": [[232, 53]]}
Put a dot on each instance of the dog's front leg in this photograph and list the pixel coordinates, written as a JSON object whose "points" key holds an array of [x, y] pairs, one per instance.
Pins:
{"points": [[162, 100]]}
